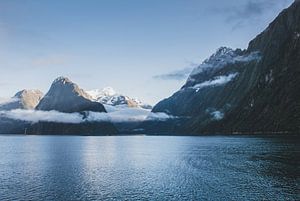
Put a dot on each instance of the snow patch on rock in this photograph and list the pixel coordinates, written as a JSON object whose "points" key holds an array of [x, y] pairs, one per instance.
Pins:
{"points": [[108, 96]]}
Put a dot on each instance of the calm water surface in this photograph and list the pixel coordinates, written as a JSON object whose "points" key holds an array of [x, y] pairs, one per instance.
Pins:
{"points": [[149, 168]]}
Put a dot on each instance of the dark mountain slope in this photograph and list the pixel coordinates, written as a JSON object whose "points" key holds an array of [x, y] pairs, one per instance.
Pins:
{"points": [[273, 103], [243, 91]]}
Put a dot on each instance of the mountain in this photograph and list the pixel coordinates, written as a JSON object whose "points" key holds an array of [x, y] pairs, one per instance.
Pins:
{"points": [[25, 99], [108, 96], [118, 105], [66, 96], [243, 91]]}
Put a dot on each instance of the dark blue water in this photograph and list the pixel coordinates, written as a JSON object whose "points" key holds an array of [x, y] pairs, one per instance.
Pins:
{"points": [[148, 168]]}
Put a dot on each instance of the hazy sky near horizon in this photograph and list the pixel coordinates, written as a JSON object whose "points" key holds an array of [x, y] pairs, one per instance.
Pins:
{"points": [[130, 45]]}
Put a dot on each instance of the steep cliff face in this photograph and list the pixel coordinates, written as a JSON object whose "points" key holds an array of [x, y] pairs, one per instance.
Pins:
{"points": [[257, 89], [273, 102], [66, 96]]}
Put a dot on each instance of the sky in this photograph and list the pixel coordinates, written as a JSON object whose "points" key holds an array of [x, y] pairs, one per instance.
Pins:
{"points": [[141, 48]]}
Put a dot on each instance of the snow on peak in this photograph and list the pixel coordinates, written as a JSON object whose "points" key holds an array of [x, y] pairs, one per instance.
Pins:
{"points": [[108, 96], [61, 79], [224, 56], [108, 91], [98, 93]]}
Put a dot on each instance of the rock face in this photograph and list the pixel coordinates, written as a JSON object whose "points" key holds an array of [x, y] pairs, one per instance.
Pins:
{"points": [[108, 96], [66, 96], [252, 90], [25, 99]]}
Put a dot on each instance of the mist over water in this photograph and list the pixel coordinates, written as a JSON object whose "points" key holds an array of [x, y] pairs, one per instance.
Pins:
{"points": [[148, 168]]}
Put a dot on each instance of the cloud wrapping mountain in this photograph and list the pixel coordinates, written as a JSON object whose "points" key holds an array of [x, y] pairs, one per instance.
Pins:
{"points": [[117, 116], [216, 81]]}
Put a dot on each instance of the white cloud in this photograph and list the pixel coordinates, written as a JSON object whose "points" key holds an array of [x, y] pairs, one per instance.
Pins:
{"points": [[217, 115], [159, 116], [119, 114], [217, 81], [37, 115], [7, 100], [223, 57], [115, 116]]}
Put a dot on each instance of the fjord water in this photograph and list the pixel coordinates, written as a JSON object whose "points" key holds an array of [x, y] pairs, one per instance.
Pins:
{"points": [[149, 168]]}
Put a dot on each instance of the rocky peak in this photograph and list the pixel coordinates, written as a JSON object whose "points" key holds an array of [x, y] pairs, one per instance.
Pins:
{"points": [[28, 92], [62, 80], [66, 96], [222, 61], [63, 85], [24, 99]]}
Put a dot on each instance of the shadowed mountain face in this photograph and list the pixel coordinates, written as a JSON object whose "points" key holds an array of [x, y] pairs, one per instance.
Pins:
{"points": [[66, 96], [25, 99], [257, 89]]}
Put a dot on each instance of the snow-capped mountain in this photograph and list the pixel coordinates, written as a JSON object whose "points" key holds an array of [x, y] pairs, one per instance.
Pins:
{"points": [[108, 96], [224, 56], [25, 99]]}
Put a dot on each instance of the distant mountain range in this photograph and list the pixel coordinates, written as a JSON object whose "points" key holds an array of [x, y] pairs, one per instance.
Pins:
{"points": [[65, 96], [108, 96], [256, 90]]}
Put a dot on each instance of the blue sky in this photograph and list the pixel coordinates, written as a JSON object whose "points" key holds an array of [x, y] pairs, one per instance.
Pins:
{"points": [[125, 44]]}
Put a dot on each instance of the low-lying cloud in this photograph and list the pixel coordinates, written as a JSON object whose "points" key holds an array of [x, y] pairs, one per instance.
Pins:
{"points": [[116, 116], [7, 100], [217, 81], [217, 115], [35, 116]]}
